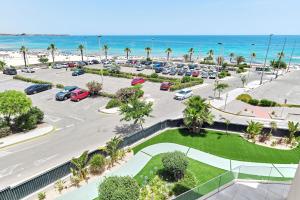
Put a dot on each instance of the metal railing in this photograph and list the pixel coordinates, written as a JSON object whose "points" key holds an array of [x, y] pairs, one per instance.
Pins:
{"points": [[264, 174]]}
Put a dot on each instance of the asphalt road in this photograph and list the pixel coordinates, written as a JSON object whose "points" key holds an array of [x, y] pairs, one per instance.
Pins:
{"points": [[79, 126]]}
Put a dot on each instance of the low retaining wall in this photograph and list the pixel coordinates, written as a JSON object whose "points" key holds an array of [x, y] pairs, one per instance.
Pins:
{"points": [[36, 183]]}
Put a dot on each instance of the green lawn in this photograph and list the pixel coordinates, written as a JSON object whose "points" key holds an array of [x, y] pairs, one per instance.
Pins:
{"points": [[201, 171], [230, 146]]}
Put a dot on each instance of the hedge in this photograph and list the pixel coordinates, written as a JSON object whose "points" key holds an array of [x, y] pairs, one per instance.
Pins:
{"points": [[22, 78]]}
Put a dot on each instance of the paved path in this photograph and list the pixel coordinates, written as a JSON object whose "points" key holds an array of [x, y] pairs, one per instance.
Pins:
{"points": [[136, 164]]}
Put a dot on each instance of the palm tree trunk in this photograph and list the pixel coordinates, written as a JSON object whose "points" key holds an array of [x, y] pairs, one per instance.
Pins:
{"points": [[24, 56], [168, 56], [127, 55], [81, 52], [105, 55], [147, 54], [52, 57]]}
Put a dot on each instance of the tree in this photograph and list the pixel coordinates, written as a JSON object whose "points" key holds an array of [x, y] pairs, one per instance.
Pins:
{"points": [[196, 114], [273, 127], [231, 55], [127, 51], [186, 57], [220, 60], [43, 60], [293, 128], [94, 87], [2, 65], [24, 50], [220, 87], [97, 164], [136, 110], [253, 55], [175, 163], [253, 129], [244, 80], [52, 48], [210, 54], [191, 52], [280, 55], [81, 48], [239, 60], [112, 149], [148, 51], [12, 104], [105, 49], [119, 188], [279, 64], [80, 170], [168, 51]]}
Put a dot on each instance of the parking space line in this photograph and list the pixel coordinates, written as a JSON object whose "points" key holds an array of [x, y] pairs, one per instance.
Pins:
{"points": [[77, 118]]}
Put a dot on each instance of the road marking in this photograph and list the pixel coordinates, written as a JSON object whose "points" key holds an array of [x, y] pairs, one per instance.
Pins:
{"points": [[53, 118], [4, 153], [28, 147], [70, 125], [9, 170], [77, 118], [42, 161], [58, 129]]}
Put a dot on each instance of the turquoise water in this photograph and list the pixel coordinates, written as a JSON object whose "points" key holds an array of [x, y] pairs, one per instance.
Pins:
{"points": [[240, 45]]}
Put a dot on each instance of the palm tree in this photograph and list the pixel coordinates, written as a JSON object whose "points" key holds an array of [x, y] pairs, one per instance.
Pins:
{"points": [[231, 55], [80, 163], [52, 49], [148, 51], [81, 48], [186, 57], [293, 128], [280, 55], [127, 50], [24, 50], [191, 52], [220, 60], [168, 51], [253, 129], [210, 54], [196, 113], [112, 148], [239, 60], [2, 64], [220, 87], [105, 49]]}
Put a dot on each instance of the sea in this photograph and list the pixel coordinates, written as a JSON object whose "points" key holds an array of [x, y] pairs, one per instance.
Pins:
{"points": [[241, 45]]}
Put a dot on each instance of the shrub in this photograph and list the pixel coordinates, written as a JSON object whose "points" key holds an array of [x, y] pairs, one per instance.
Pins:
{"points": [[94, 87], [119, 188], [267, 103], [108, 95], [244, 97], [113, 103], [41, 195], [29, 120], [156, 189], [61, 86], [60, 185], [154, 75], [253, 102], [22, 78], [4, 131], [175, 163], [187, 183], [38, 113], [185, 79], [124, 94], [97, 164]]}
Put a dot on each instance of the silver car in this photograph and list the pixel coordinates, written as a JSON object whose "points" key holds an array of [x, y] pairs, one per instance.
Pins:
{"points": [[27, 70]]}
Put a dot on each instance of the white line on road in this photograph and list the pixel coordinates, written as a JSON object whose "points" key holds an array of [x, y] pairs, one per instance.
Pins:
{"points": [[77, 118], [70, 125], [53, 118], [42, 161], [4, 153], [9, 170]]}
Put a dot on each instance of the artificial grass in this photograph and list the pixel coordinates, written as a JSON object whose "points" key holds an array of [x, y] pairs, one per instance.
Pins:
{"points": [[230, 146], [201, 171]]}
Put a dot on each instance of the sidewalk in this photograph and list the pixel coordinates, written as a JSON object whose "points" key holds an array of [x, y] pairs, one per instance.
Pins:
{"points": [[42, 129], [136, 164]]}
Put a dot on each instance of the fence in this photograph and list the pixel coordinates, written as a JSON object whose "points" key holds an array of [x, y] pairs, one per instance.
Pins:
{"points": [[34, 184], [259, 174]]}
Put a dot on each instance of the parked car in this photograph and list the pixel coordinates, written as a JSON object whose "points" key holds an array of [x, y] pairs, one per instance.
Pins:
{"points": [[27, 70], [60, 66], [173, 71], [10, 71], [81, 64], [137, 81], [165, 85], [79, 94], [140, 68], [188, 73], [65, 93], [181, 72], [72, 64], [95, 62], [158, 69], [36, 88], [165, 71], [183, 94], [212, 75], [195, 73], [78, 72], [204, 74]]}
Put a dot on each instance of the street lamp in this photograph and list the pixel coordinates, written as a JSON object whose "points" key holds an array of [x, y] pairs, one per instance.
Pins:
{"points": [[265, 62], [99, 37], [220, 57], [251, 59]]}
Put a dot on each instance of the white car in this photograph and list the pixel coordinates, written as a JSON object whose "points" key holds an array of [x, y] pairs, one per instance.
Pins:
{"points": [[60, 66], [183, 94], [27, 70], [140, 68]]}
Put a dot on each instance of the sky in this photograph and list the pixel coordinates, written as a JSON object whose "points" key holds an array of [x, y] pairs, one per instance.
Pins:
{"points": [[151, 17]]}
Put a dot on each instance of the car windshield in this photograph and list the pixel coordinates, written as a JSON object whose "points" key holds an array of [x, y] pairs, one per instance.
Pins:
{"points": [[182, 92]]}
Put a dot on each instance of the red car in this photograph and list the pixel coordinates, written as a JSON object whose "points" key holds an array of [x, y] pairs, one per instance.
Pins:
{"points": [[79, 94], [72, 64], [195, 73], [137, 81], [165, 85]]}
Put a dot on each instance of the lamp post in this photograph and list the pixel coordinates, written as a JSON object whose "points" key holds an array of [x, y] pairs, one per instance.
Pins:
{"points": [[251, 59], [265, 62], [99, 37], [288, 68]]}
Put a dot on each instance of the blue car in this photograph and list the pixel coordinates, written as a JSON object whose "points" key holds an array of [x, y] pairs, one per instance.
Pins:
{"points": [[158, 69], [33, 89], [65, 93], [78, 72]]}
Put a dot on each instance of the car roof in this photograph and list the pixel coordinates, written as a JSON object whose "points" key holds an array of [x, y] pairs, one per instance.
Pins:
{"points": [[186, 90], [69, 87]]}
